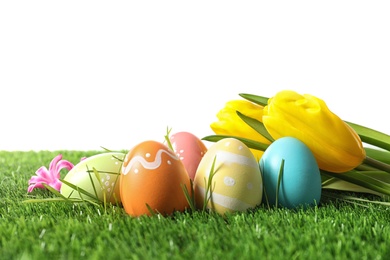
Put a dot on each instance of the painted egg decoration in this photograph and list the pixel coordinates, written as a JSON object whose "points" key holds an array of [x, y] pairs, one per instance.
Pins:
{"points": [[152, 180], [300, 183], [190, 149], [107, 165], [236, 182]]}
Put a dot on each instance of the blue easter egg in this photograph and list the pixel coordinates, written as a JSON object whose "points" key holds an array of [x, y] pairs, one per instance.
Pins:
{"points": [[300, 183]]}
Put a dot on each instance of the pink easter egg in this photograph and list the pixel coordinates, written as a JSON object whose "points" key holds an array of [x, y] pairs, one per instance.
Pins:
{"points": [[190, 149]]}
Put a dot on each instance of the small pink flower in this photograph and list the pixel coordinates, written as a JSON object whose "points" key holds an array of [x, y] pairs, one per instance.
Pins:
{"points": [[50, 177]]}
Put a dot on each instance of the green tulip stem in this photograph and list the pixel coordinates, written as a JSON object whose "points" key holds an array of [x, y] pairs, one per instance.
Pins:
{"points": [[377, 164]]}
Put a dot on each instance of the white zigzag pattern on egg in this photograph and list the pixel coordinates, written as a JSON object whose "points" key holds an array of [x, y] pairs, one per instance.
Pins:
{"points": [[147, 165]]}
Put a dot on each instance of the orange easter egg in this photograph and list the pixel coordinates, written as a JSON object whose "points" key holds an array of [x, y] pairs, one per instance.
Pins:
{"points": [[152, 179]]}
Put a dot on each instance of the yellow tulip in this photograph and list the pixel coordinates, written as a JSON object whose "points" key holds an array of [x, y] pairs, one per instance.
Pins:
{"points": [[229, 123], [335, 145]]}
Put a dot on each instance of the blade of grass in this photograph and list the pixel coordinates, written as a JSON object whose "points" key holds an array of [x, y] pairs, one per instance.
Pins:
{"points": [[190, 198], [112, 193], [82, 191], [69, 200], [280, 176], [151, 211], [60, 199], [168, 140], [119, 159], [208, 184], [106, 149], [107, 172], [92, 182], [54, 191], [264, 190], [97, 176]]}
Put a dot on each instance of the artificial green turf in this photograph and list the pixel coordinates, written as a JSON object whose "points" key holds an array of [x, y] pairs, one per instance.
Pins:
{"points": [[57, 230]]}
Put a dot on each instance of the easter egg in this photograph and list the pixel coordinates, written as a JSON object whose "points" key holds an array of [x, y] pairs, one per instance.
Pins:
{"points": [[190, 149], [98, 175], [228, 178], [152, 180], [300, 180]]}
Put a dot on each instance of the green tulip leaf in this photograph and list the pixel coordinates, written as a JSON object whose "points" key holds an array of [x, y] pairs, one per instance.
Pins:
{"points": [[366, 179], [256, 125], [332, 183], [262, 101], [371, 136], [380, 155]]}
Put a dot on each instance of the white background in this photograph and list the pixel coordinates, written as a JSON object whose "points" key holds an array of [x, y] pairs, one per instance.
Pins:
{"points": [[79, 75]]}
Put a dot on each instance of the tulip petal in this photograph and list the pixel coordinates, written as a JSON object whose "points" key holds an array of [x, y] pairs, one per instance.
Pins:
{"points": [[229, 123], [335, 145]]}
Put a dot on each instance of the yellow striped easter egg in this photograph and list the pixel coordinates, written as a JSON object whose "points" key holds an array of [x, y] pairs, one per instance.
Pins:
{"points": [[235, 183]]}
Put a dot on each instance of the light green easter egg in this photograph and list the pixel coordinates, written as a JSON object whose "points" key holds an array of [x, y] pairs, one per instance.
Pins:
{"points": [[97, 175]]}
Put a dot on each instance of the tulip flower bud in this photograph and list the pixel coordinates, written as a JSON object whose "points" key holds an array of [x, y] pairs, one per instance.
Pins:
{"points": [[231, 124], [335, 145]]}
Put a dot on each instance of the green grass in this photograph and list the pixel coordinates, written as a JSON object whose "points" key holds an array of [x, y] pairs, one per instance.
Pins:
{"points": [[55, 230]]}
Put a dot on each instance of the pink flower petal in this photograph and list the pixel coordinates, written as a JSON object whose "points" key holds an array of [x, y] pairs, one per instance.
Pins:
{"points": [[35, 179], [63, 164], [36, 185], [30, 188], [54, 162], [43, 173], [50, 177], [57, 185]]}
